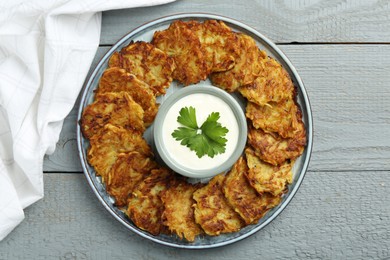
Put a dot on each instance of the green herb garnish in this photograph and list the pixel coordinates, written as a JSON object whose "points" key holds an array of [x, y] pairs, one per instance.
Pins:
{"points": [[207, 139]]}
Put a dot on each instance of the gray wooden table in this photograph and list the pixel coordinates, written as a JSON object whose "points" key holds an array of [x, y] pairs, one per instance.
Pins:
{"points": [[342, 210]]}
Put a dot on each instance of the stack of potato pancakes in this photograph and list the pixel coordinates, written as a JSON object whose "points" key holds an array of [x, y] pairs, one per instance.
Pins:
{"points": [[155, 198]]}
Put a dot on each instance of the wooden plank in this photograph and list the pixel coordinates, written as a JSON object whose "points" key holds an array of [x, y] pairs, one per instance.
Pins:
{"points": [[282, 21], [349, 91], [348, 86], [334, 215]]}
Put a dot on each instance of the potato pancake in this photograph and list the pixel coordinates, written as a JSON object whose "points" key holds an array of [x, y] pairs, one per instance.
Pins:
{"points": [[274, 149], [282, 118], [145, 206], [128, 170], [156, 199], [109, 142], [219, 43], [147, 63], [212, 211], [118, 109], [183, 45], [272, 85], [178, 213], [118, 80], [115, 60], [244, 199], [248, 66], [265, 177]]}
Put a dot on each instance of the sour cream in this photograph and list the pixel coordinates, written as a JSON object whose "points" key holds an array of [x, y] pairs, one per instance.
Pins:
{"points": [[204, 105], [205, 100]]}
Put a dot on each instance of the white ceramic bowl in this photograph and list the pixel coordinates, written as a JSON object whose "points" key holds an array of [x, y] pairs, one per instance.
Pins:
{"points": [[222, 162]]}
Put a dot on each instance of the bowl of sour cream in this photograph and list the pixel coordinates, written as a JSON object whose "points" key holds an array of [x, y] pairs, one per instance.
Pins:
{"points": [[200, 131]]}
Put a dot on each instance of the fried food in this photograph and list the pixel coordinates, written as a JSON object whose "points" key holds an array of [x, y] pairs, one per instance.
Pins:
{"points": [[265, 177], [116, 60], [274, 149], [183, 45], [212, 212], [219, 43], [109, 142], [248, 65], [128, 170], [282, 118], [145, 206], [118, 80], [154, 198], [147, 63], [178, 213], [118, 109], [243, 198], [272, 85]]}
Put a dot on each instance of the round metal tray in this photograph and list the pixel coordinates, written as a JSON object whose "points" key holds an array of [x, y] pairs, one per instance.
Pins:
{"points": [[145, 33]]}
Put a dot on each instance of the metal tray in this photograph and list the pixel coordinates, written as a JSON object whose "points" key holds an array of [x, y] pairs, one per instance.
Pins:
{"points": [[145, 33]]}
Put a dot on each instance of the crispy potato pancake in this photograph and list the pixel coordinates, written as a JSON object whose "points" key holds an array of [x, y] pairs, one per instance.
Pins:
{"points": [[128, 170], [178, 213], [183, 45], [282, 118], [115, 60], [116, 108], [274, 149], [109, 142], [212, 212], [145, 206], [248, 65], [147, 63], [118, 80], [265, 177], [244, 199], [153, 197], [219, 43], [272, 85]]}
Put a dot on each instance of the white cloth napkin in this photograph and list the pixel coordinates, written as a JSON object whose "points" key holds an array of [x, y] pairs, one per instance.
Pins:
{"points": [[46, 49]]}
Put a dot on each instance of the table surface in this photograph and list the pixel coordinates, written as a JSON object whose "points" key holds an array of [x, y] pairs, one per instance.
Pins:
{"points": [[341, 49]]}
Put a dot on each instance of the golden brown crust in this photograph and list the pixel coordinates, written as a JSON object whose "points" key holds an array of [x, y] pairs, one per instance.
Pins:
{"points": [[128, 170], [272, 85], [220, 45], [178, 213], [248, 65], [182, 44], [272, 148], [282, 118], [118, 109], [212, 212], [244, 199], [109, 142], [145, 206], [116, 60], [118, 80], [147, 63], [265, 177]]}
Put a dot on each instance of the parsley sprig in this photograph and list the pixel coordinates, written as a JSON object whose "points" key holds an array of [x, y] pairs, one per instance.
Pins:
{"points": [[207, 139]]}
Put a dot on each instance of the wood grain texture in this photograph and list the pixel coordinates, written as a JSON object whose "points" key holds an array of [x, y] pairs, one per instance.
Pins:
{"points": [[282, 21], [334, 215], [348, 86]]}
